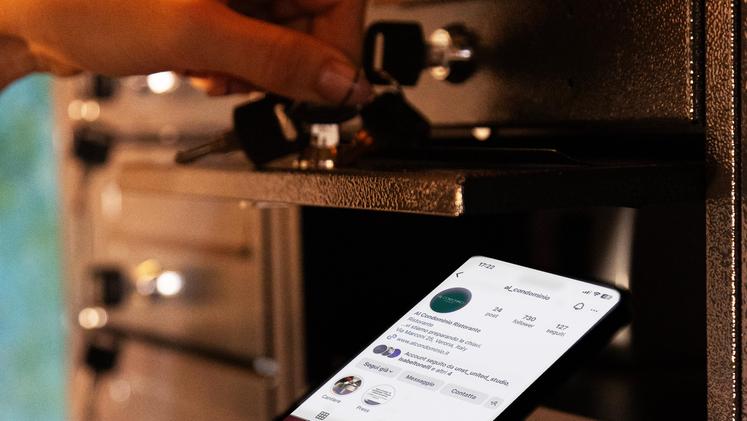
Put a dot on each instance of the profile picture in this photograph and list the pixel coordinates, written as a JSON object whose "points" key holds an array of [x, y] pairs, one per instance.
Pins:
{"points": [[380, 349], [378, 395], [347, 385], [450, 300], [391, 352], [387, 351]]}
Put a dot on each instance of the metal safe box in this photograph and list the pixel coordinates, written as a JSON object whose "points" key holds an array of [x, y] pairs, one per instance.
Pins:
{"points": [[592, 139]]}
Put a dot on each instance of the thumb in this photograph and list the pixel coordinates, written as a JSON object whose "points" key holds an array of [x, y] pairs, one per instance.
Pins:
{"points": [[291, 9], [16, 60], [277, 59]]}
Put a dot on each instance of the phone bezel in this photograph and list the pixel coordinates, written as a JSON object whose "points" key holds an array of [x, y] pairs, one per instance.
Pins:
{"points": [[591, 342]]}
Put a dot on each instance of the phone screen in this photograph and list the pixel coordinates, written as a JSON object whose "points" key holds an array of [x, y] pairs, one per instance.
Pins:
{"points": [[467, 350]]}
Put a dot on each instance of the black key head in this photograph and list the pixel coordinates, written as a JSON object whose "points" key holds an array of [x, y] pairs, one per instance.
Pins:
{"points": [[265, 131], [397, 49], [394, 123]]}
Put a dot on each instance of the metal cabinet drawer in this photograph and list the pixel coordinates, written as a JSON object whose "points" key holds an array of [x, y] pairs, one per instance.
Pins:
{"points": [[221, 304], [150, 383], [176, 221]]}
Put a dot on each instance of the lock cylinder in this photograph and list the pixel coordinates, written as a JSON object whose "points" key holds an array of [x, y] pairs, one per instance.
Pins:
{"points": [[323, 128], [451, 54], [400, 51]]}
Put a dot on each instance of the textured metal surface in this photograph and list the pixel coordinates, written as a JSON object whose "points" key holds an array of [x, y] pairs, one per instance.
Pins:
{"points": [[722, 212], [552, 62], [742, 36], [438, 193], [449, 192]]}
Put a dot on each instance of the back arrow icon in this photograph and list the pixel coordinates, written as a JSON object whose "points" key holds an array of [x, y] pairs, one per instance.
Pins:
{"points": [[459, 273]]}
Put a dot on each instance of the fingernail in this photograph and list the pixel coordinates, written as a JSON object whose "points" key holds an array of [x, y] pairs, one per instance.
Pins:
{"points": [[218, 87], [239, 87], [341, 84]]}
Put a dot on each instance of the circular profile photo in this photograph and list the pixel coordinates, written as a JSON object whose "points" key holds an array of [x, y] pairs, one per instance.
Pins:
{"points": [[450, 300], [347, 385], [391, 352], [380, 349], [378, 395]]}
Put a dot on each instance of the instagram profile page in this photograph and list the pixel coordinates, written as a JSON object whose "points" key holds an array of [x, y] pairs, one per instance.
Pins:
{"points": [[467, 350]]}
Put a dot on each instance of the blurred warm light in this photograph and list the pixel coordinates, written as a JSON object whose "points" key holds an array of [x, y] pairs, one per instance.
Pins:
{"points": [[163, 82], [265, 366], [111, 201], [83, 110], [169, 283], [440, 72], [144, 274], [74, 110], [90, 111], [120, 390], [440, 38], [92, 318], [481, 133]]}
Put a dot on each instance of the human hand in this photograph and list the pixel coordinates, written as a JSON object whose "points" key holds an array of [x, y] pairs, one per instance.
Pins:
{"points": [[315, 61]]}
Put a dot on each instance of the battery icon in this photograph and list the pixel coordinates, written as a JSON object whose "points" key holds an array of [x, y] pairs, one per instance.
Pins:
{"points": [[606, 296]]}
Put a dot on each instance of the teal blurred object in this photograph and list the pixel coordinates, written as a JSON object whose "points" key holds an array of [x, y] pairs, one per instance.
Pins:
{"points": [[31, 312]]}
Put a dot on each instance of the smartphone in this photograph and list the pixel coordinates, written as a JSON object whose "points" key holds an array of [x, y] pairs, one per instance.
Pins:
{"points": [[487, 344]]}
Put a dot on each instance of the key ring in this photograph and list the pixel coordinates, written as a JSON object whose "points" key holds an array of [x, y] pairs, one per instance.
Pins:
{"points": [[391, 81], [351, 89]]}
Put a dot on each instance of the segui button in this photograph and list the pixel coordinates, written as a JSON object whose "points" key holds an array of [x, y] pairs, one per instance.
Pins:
{"points": [[459, 392]]}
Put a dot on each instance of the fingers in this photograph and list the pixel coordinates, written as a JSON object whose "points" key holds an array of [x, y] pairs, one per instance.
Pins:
{"points": [[15, 60], [218, 85], [45, 61], [342, 27], [292, 9], [277, 59]]}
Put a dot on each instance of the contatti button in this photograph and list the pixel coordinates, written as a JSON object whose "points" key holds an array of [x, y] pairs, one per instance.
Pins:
{"points": [[459, 392]]}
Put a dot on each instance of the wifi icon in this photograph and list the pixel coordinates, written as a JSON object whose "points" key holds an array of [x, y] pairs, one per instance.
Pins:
{"points": [[596, 293]]}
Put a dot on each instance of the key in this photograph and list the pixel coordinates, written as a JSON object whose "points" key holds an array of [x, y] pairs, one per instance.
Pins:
{"points": [[401, 50], [393, 122], [397, 48], [224, 144], [327, 142], [261, 129], [319, 114], [267, 130]]}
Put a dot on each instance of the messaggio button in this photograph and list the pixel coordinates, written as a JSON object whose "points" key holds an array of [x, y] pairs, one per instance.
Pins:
{"points": [[420, 380]]}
